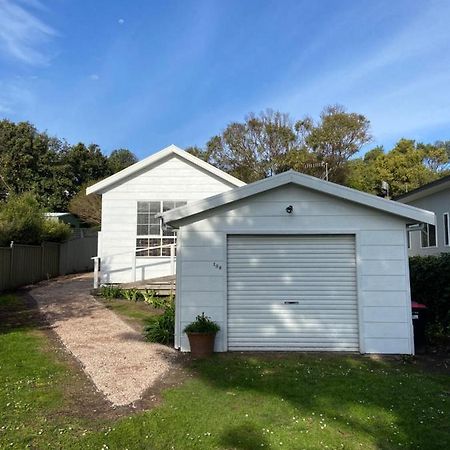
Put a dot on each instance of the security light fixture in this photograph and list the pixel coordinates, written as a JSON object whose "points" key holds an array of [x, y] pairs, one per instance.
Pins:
{"points": [[289, 209]]}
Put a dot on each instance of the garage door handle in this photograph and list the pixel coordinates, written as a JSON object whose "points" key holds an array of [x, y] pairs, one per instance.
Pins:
{"points": [[288, 302]]}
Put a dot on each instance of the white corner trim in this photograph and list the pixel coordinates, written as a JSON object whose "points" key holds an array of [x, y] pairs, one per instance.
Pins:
{"points": [[336, 190], [103, 185]]}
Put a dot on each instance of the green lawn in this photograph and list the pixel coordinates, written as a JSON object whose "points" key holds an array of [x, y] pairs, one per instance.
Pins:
{"points": [[231, 402]]}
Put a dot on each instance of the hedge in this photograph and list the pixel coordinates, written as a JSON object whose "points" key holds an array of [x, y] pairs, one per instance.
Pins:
{"points": [[430, 285]]}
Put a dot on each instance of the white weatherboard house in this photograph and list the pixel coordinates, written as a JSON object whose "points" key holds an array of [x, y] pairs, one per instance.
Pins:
{"points": [[133, 245], [296, 263]]}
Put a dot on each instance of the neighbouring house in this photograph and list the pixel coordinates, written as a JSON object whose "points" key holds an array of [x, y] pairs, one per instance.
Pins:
{"points": [[430, 239], [133, 244], [296, 263], [64, 217]]}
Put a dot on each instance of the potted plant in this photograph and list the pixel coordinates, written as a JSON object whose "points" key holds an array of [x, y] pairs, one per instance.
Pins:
{"points": [[202, 333]]}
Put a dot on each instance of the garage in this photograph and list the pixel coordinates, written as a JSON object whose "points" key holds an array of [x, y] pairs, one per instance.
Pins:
{"points": [[295, 263], [292, 293]]}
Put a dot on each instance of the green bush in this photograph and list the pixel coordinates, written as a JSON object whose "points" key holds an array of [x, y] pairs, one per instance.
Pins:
{"points": [[202, 324], [54, 231], [161, 328], [430, 285], [22, 220]]}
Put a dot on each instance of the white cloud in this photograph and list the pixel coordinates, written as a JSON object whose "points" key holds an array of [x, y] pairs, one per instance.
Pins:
{"points": [[22, 34], [94, 77], [121, 21]]}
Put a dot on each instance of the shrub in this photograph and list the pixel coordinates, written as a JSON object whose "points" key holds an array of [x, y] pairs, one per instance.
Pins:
{"points": [[110, 291], [22, 220], [54, 231], [131, 294], [430, 284], [202, 324], [161, 328]]}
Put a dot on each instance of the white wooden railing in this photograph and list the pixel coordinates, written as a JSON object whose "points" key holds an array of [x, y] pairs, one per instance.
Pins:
{"points": [[97, 260]]}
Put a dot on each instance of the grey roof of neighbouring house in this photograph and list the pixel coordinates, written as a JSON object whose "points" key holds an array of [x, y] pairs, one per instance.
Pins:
{"points": [[425, 190]]}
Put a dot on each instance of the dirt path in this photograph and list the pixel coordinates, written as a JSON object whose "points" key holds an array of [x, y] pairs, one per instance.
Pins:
{"points": [[115, 356]]}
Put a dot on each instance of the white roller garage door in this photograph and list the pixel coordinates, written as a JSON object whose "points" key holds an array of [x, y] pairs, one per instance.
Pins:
{"points": [[292, 293]]}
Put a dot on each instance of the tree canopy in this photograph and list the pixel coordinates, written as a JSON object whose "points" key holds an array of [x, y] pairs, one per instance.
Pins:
{"points": [[272, 142], [49, 167]]}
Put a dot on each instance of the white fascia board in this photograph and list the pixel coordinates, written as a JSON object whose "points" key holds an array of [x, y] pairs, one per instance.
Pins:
{"points": [[103, 185], [307, 181]]}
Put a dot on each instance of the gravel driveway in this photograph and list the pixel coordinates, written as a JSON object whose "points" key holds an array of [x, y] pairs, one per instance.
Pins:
{"points": [[116, 357]]}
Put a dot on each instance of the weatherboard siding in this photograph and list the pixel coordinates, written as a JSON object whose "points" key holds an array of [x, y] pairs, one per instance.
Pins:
{"points": [[172, 178], [383, 279]]}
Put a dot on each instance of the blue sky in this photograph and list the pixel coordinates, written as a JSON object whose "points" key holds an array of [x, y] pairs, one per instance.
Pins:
{"points": [[145, 74]]}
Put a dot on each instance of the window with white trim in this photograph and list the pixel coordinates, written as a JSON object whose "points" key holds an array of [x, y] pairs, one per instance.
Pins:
{"points": [[150, 231], [428, 236], [446, 229]]}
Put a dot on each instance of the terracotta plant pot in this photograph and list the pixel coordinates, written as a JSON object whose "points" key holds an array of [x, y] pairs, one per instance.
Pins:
{"points": [[202, 344]]}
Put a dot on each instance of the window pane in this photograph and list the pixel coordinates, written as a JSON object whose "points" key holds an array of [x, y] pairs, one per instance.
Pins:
{"points": [[154, 220], [154, 243], [142, 219], [143, 230], [168, 205], [141, 243], [155, 207], [432, 235], [166, 250], [143, 207], [446, 230], [177, 204], [424, 237], [154, 230]]}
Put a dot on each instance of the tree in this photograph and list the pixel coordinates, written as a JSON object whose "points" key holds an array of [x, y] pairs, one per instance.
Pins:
{"points": [[87, 207], [120, 159], [271, 143], [405, 167], [254, 149], [334, 139]]}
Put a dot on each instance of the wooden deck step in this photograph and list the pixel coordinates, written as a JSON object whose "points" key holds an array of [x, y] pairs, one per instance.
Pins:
{"points": [[160, 285]]}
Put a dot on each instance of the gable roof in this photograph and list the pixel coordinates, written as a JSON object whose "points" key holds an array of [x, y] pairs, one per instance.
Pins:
{"points": [[105, 184], [425, 190], [292, 177]]}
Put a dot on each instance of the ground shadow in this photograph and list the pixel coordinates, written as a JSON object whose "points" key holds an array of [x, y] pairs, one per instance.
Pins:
{"points": [[336, 385]]}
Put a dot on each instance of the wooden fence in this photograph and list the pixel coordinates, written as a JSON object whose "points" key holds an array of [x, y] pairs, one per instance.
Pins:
{"points": [[27, 264]]}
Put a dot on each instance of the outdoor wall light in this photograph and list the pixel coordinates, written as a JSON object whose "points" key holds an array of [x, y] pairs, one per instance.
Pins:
{"points": [[289, 209]]}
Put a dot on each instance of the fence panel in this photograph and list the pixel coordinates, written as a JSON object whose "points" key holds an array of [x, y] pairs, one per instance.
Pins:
{"points": [[76, 254], [27, 264], [5, 267], [50, 258]]}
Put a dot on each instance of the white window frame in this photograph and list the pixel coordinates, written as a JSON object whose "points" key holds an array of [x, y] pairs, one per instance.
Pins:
{"points": [[427, 228], [446, 232], [160, 237]]}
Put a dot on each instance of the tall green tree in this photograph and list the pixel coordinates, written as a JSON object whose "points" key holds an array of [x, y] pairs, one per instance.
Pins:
{"points": [[272, 142], [253, 149], [120, 159], [333, 139], [405, 167]]}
